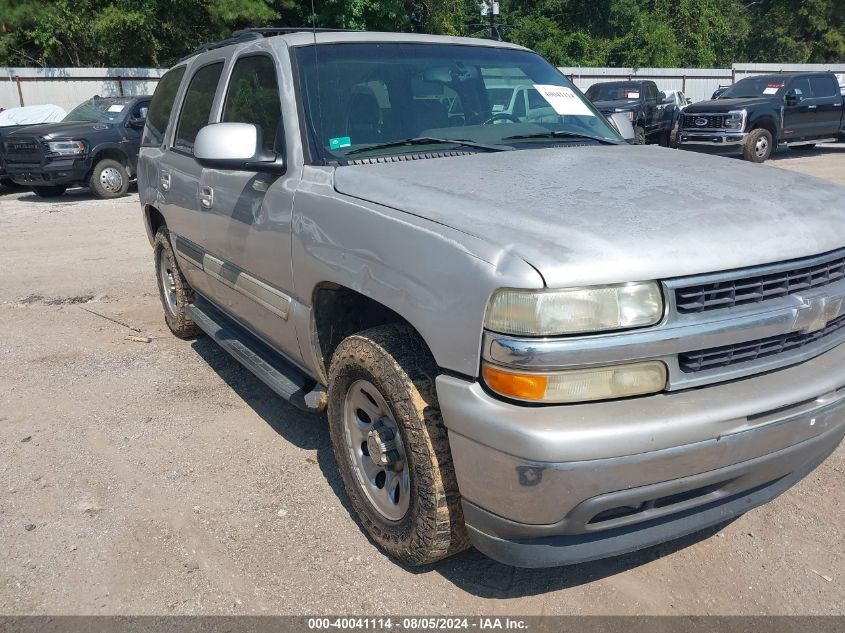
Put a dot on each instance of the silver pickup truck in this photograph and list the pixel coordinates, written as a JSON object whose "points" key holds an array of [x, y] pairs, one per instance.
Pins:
{"points": [[529, 335]]}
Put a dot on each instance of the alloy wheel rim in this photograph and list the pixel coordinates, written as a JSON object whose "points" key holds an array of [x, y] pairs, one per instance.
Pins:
{"points": [[376, 451], [168, 282]]}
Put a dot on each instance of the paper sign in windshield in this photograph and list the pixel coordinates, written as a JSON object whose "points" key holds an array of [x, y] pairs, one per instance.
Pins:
{"points": [[772, 89], [116, 108], [563, 100], [632, 94]]}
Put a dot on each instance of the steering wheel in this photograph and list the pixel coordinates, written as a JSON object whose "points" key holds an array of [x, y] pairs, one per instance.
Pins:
{"points": [[502, 116]]}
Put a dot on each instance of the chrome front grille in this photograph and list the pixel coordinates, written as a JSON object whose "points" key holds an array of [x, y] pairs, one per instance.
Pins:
{"points": [[719, 295], [750, 351]]}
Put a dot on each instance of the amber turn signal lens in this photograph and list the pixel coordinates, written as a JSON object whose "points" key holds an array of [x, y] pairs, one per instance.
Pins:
{"points": [[520, 386]]}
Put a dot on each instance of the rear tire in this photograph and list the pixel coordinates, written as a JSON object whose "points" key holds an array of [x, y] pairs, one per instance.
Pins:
{"points": [[53, 191], [758, 146], [109, 179], [383, 378], [174, 291]]}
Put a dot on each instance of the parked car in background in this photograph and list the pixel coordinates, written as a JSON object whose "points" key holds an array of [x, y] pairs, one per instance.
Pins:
{"points": [[12, 119], [758, 113], [718, 92], [651, 113], [95, 145], [531, 337]]}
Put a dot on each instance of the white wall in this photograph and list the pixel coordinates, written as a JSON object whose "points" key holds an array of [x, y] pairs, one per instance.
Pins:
{"points": [[68, 87]]}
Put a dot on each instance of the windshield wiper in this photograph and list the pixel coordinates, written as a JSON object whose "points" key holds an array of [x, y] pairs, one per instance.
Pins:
{"points": [[560, 134], [430, 140]]}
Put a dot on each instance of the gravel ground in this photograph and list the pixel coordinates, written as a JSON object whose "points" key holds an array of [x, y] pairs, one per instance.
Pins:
{"points": [[162, 478]]}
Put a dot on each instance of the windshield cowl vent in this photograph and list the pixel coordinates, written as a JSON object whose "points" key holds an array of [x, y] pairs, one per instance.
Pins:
{"points": [[399, 158]]}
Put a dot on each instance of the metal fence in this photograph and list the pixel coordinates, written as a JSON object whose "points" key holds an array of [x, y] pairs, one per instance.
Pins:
{"points": [[67, 87], [697, 83]]}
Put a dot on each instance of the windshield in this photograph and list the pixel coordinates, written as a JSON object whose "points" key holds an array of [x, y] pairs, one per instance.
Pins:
{"points": [[754, 87], [99, 110], [358, 96], [614, 91]]}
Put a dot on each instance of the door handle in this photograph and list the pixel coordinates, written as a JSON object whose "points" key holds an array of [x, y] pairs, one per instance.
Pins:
{"points": [[164, 180], [207, 197]]}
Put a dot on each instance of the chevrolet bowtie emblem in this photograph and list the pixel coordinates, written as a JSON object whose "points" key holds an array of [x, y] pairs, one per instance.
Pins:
{"points": [[816, 312]]}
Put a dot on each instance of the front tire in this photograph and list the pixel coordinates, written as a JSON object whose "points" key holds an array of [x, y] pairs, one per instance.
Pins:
{"points": [[53, 191], [391, 445], [109, 179], [174, 291], [758, 146]]}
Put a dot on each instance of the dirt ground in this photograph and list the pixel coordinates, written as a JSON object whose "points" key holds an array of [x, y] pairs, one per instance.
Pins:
{"points": [[162, 478]]}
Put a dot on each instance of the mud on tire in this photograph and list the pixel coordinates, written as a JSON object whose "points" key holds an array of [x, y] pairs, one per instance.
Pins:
{"points": [[176, 315], [396, 361]]}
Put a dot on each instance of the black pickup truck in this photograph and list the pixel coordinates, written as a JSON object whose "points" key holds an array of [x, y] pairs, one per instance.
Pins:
{"points": [[758, 113], [95, 146], [651, 113]]}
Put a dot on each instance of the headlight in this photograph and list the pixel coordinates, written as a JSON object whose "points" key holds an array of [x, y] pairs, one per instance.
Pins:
{"points": [[734, 121], [578, 385], [66, 148], [574, 310]]}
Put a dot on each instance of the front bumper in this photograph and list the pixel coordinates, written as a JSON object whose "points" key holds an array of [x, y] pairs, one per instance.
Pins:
{"points": [[712, 139], [64, 171], [545, 486]]}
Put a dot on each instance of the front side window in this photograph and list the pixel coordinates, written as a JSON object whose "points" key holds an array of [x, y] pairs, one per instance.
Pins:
{"points": [[253, 97], [361, 96], [196, 108], [100, 110], [161, 107], [801, 86]]}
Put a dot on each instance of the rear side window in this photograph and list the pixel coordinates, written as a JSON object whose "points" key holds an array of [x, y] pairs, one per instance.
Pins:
{"points": [[824, 87], [196, 108], [161, 106], [253, 97]]}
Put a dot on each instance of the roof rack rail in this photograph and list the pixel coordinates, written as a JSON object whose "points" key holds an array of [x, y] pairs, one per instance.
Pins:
{"points": [[237, 38], [283, 30], [247, 35]]}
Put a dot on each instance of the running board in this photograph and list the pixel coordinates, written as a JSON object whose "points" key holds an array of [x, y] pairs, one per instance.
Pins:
{"points": [[814, 141], [267, 364]]}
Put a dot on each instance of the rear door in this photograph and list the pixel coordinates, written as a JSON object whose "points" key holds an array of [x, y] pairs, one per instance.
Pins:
{"points": [[652, 108], [180, 173], [828, 102], [248, 215]]}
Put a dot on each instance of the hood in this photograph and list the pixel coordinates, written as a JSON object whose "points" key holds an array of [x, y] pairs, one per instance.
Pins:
{"points": [[610, 214], [726, 105], [62, 129], [621, 105]]}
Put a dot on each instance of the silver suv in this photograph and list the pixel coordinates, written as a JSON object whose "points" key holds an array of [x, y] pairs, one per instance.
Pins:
{"points": [[530, 336]]}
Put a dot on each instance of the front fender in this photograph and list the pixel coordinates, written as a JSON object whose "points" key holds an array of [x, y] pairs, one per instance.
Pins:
{"points": [[435, 277]]}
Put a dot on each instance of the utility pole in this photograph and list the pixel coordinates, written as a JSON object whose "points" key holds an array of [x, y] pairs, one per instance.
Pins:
{"points": [[490, 9]]}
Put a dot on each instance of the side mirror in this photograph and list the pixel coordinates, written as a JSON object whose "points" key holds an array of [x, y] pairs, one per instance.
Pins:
{"points": [[235, 146], [136, 122], [622, 123], [794, 97]]}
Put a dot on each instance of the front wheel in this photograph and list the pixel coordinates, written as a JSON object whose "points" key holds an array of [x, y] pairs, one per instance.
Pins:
{"points": [[758, 146], [391, 446], [173, 289], [109, 179], [53, 191]]}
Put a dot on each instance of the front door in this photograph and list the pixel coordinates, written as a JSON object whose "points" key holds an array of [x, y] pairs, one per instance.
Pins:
{"points": [[248, 215], [799, 118]]}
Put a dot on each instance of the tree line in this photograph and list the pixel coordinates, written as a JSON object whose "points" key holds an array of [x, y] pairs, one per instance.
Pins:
{"points": [[639, 33]]}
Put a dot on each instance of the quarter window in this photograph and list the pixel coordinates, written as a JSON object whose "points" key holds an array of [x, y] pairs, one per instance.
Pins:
{"points": [[196, 108], [253, 97], [161, 107]]}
